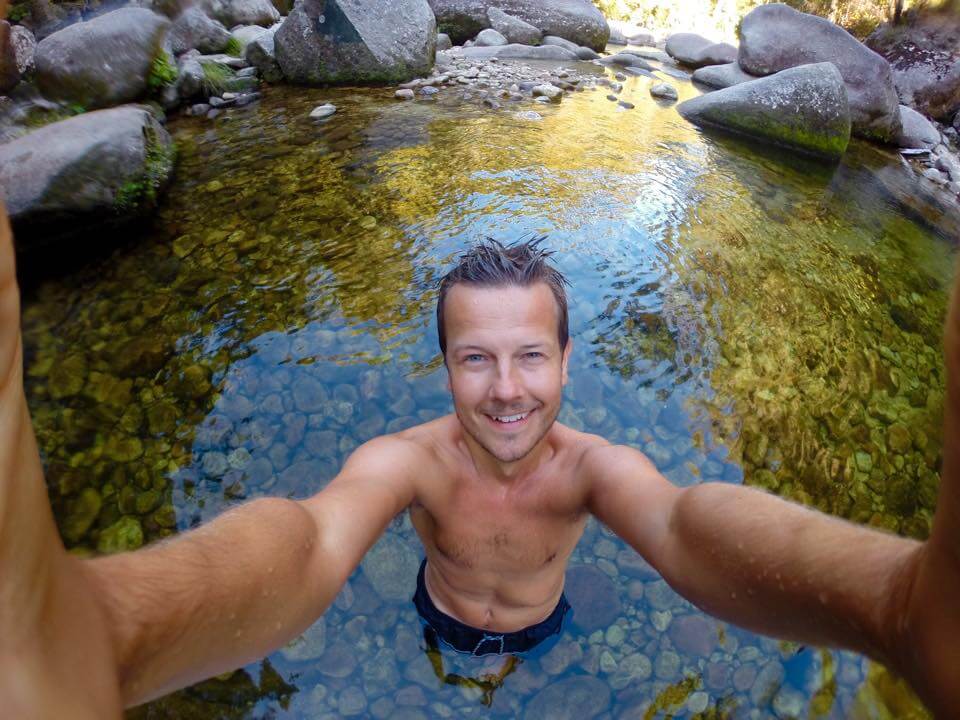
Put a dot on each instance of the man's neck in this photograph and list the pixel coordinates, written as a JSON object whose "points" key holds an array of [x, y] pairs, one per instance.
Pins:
{"points": [[491, 468]]}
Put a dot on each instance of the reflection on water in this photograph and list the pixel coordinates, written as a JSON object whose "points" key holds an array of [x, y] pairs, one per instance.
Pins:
{"points": [[739, 316]]}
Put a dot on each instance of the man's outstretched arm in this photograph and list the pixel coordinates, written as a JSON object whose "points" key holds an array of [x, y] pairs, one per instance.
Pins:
{"points": [[777, 568]]}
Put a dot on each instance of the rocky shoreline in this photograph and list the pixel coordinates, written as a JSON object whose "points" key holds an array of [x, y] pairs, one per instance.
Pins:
{"points": [[189, 61]]}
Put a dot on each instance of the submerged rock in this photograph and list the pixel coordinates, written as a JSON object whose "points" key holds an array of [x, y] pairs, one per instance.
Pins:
{"points": [[803, 108], [124, 535], [391, 567], [356, 41], [106, 61], [575, 698], [94, 170], [777, 37], [514, 51], [721, 76], [576, 20], [593, 597], [664, 91], [310, 645]]}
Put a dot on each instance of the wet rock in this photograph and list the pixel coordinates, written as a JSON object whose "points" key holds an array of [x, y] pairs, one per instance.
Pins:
{"points": [[308, 646], [381, 674], [719, 675], [693, 635], [551, 92], [391, 567], [626, 59], [125, 534], [788, 703], [561, 656], [99, 169], [244, 35], [661, 596], [576, 698], [898, 438], [593, 597], [82, 513], [339, 660], [351, 702], [721, 76], [354, 41], [489, 38], [404, 94], [744, 677], [915, 130], [633, 669], [323, 111], [103, 62], [513, 29], [803, 107], [664, 91], [195, 29], [443, 42], [777, 37], [667, 665], [767, 683], [632, 564], [68, 377], [696, 51], [309, 395]]}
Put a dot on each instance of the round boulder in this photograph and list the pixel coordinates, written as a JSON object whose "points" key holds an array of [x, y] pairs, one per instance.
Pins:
{"points": [[593, 597], [391, 567], [104, 62], [489, 38], [512, 28], [777, 37], [696, 51], [721, 76], [91, 171], [195, 30], [575, 698]]}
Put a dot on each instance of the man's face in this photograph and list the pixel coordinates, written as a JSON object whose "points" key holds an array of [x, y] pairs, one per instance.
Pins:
{"points": [[506, 368]]}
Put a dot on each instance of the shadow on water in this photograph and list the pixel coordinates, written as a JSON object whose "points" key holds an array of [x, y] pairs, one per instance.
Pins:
{"points": [[738, 314]]}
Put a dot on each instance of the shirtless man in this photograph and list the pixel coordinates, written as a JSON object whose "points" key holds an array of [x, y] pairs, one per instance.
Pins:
{"points": [[499, 493]]}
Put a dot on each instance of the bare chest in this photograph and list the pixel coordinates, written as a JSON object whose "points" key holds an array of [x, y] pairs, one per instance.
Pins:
{"points": [[484, 529]]}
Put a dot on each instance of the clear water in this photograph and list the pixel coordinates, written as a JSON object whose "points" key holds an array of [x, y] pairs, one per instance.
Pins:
{"points": [[740, 315]]}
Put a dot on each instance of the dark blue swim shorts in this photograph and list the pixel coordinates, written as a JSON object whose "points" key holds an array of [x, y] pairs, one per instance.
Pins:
{"points": [[474, 641]]}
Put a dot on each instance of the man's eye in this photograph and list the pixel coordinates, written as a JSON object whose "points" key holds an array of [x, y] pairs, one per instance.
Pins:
{"points": [[473, 358], [535, 355]]}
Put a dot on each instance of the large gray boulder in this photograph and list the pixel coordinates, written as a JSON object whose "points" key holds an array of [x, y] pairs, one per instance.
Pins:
{"points": [[93, 171], [697, 51], [519, 52], [243, 12], [776, 37], [924, 56], [194, 29], [721, 76], [261, 54], [24, 48], [582, 52], [106, 61], [916, 131], [576, 20], [9, 72], [804, 108], [490, 38], [512, 28], [356, 41]]}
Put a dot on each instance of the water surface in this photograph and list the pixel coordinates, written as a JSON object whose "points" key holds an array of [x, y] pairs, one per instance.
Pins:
{"points": [[740, 315]]}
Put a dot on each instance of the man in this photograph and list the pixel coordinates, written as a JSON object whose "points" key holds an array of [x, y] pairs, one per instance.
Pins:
{"points": [[498, 492]]}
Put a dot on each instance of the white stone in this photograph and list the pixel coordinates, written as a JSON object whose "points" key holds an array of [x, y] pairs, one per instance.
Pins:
{"points": [[664, 90], [323, 111]]}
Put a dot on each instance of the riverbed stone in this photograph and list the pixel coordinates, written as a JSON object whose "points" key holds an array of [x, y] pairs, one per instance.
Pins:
{"points": [[194, 29], [515, 51], [593, 597], [102, 62], [802, 107], [576, 20], [667, 665], [356, 41], [633, 669], [308, 646], [693, 635], [664, 91], [391, 568], [513, 28], [124, 535], [697, 51], [243, 12], [575, 698], [339, 660], [489, 38], [323, 111], [721, 76], [767, 683], [777, 37], [81, 514], [99, 169]]}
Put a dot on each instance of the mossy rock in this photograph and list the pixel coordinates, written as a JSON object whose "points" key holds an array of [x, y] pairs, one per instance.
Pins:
{"points": [[124, 535], [82, 513], [67, 378]]}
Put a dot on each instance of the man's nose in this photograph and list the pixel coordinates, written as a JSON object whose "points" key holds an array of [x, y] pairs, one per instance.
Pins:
{"points": [[506, 386]]}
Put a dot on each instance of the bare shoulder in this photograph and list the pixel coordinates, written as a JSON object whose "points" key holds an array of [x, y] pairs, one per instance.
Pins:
{"points": [[600, 459]]}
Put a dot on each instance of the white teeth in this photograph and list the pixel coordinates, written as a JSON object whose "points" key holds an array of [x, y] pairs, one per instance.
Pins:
{"points": [[510, 418]]}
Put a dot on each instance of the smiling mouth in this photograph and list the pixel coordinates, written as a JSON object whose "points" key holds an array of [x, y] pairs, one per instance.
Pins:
{"points": [[508, 420]]}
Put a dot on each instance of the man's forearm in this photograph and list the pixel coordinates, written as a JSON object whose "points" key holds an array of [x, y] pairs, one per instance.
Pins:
{"points": [[783, 570], [213, 599]]}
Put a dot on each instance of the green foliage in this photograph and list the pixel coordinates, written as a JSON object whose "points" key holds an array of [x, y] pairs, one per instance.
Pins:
{"points": [[142, 190], [233, 48], [162, 73], [216, 78], [18, 12]]}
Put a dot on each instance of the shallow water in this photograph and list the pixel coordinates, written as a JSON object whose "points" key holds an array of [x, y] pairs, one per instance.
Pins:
{"points": [[739, 315]]}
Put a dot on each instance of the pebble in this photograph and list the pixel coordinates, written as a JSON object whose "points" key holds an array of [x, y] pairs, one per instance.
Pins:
{"points": [[698, 702], [404, 94], [428, 90], [323, 111], [665, 91], [625, 104]]}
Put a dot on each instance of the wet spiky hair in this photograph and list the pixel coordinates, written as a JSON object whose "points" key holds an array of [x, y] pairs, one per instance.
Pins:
{"points": [[490, 263]]}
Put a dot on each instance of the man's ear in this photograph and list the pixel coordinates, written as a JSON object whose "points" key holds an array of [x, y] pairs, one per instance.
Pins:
{"points": [[566, 360]]}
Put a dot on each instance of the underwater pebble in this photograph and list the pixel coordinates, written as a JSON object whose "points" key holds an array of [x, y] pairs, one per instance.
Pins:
{"points": [[323, 111]]}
